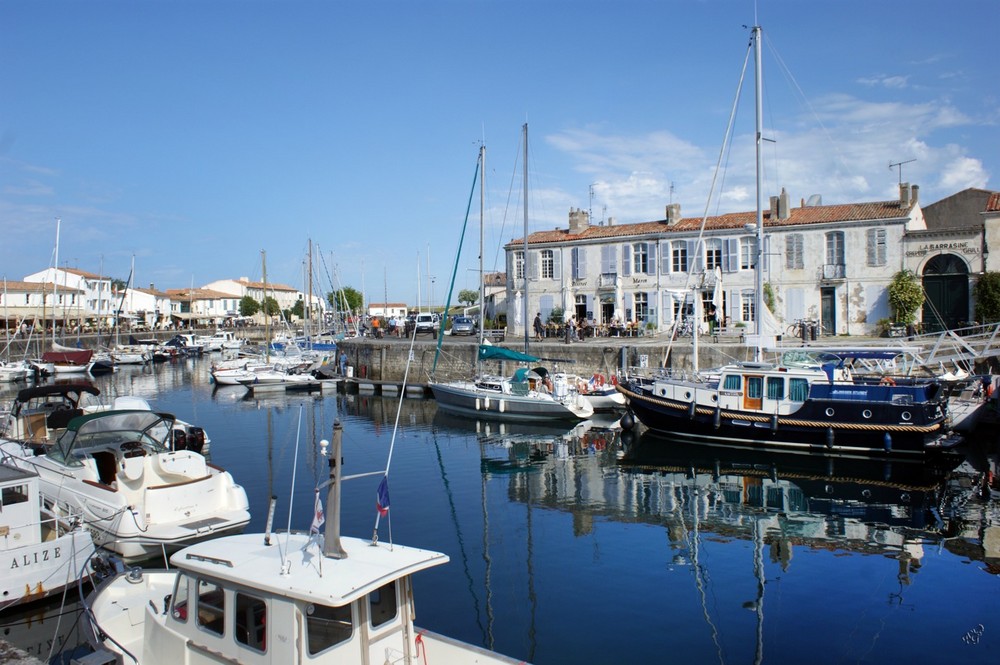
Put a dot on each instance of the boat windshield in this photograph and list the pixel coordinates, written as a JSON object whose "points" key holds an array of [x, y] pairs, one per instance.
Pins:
{"points": [[110, 429]]}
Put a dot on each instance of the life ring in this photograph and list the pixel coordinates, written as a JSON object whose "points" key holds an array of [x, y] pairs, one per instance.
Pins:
{"points": [[598, 380], [614, 380], [887, 381]]}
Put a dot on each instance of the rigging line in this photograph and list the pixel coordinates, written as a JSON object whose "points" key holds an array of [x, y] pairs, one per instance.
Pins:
{"points": [[693, 261], [805, 102], [291, 494], [458, 255], [510, 193], [395, 427]]}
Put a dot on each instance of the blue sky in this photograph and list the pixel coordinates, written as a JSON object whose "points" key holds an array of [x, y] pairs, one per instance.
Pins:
{"points": [[194, 135]]}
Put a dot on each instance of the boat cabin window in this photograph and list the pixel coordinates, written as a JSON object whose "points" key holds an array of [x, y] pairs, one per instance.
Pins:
{"points": [[798, 390], [211, 607], [251, 622], [327, 626], [776, 387], [14, 494], [755, 387], [382, 604], [179, 608], [733, 382]]}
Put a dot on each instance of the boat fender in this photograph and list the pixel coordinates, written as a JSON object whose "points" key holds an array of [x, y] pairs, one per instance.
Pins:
{"points": [[887, 381], [691, 410], [829, 437], [774, 422], [717, 418], [887, 442], [627, 421]]}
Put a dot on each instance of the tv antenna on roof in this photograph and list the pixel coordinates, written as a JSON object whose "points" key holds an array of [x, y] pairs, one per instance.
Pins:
{"points": [[899, 165]]}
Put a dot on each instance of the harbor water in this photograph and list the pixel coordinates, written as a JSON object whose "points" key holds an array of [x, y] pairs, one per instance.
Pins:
{"points": [[578, 544]]}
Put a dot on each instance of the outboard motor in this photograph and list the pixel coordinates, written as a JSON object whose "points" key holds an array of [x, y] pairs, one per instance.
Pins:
{"points": [[180, 440], [196, 439]]}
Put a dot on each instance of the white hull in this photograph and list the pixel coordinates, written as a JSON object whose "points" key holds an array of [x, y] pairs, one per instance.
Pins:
{"points": [[39, 570]]}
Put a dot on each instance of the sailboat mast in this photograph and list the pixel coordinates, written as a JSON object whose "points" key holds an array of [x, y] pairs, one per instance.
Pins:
{"points": [[524, 299], [267, 313], [482, 218], [759, 266]]}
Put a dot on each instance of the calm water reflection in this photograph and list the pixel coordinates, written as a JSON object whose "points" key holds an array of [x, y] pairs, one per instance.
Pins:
{"points": [[579, 545]]}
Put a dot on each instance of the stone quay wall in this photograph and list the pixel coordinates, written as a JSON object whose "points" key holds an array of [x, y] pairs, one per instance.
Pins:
{"points": [[386, 360]]}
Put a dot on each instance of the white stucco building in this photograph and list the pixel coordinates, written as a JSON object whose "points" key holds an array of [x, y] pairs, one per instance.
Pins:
{"points": [[831, 263]]}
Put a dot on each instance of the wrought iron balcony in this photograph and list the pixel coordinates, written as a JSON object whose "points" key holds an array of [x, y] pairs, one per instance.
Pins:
{"points": [[834, 271]]}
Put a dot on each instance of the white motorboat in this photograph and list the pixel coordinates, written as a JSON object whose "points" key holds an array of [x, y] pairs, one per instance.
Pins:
{"points": [[276, 598], [13, 371], [138, 495], [38, 415], [40, 554]]}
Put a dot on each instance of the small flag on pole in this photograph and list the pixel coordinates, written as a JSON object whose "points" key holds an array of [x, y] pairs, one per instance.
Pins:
{"points": [[318, 518], [382, 497]]}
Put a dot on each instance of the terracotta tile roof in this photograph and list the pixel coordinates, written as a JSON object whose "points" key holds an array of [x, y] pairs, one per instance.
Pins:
{"points": [[261, 285], [993, 205], [801, 216], [35, 287], [83, 273], [197, 294]]}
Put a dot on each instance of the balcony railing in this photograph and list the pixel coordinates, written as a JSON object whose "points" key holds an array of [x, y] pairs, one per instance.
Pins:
{"points": [[834, 271]]}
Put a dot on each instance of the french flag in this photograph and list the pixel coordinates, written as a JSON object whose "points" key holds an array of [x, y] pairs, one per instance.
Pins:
{"points": [[382, 497]]}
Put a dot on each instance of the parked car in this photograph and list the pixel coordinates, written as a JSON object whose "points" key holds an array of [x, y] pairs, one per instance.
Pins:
{"points": [[425, 324], [463, 325]]}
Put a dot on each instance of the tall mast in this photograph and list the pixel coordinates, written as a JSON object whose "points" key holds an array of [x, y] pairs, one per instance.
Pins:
{"points": [[759, 266], [309, 289], [267, 314], [482, 217], [524, 298]]}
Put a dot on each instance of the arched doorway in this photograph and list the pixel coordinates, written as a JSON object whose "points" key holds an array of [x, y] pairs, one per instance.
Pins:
{"points": [[946, 291]]}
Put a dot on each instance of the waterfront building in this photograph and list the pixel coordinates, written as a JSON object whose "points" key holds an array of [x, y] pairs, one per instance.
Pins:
{"points": [[145, 308], [201, 307], [286, 296], [95, 299], [33, 302], [829, 263]]}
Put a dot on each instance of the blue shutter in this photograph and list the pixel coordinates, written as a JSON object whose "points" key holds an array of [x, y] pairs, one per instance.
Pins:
{"points": [[627, 260], [557, 264], [731, 255], [651, 255], [574, 255], [664, 257]]}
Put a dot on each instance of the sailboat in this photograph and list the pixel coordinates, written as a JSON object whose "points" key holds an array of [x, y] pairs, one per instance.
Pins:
{"points": [[809, 400], [528, 394]]}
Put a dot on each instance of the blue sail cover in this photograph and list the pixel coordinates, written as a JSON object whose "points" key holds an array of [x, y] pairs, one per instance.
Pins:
{"points": [[489, 352]]}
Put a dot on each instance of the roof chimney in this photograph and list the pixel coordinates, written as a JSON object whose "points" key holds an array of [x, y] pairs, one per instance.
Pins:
{"points": [[774, 207], [579, 220], [783, 205], [611, 221], [914, 192], [673, 213], [152, 287], [904, 194]]}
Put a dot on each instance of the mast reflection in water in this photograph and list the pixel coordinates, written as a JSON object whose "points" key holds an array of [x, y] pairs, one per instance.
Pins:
{"points": [[576, 545]]}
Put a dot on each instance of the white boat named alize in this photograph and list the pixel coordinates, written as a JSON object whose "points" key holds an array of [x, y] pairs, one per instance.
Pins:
{"points": [[276, 598], [39, 553]]}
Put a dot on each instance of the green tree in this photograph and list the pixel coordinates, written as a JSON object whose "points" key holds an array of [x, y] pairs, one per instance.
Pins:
{"points": [[906, 296], [346, 298], [248, 306], [986, 292], [468, 296], [270, 306], [556, 315], [297, 310]]}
